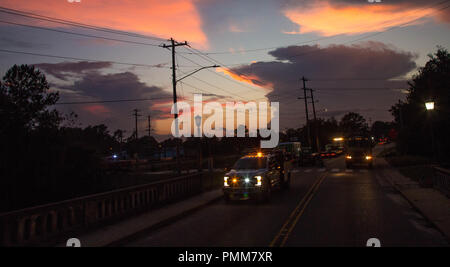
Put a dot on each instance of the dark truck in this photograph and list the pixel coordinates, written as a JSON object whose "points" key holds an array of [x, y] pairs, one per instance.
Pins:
{"points": [[256, 176], [359, 151]]}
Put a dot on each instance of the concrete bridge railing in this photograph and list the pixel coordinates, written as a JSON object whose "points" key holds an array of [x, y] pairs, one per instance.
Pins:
{"points": [[48, 222]]}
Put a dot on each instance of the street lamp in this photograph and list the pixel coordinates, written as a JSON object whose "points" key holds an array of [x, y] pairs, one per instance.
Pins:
{"points": [[430, 107], [175, 101], [198, 123], [197, 70]]}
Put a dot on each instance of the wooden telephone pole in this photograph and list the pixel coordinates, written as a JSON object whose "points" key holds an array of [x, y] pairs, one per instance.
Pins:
{"points": [[172, 46]]}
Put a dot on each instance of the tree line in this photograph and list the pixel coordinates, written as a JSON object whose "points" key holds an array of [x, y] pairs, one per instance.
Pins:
{"points": [[44, 157]]}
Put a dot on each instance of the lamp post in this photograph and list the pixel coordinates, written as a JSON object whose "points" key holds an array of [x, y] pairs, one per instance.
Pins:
{"points": [[430, 107], [175, 81], [198, 123]]}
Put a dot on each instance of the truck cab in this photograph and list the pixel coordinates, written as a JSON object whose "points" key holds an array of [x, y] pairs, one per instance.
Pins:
{"points": [[358, 151], [255, 177]]}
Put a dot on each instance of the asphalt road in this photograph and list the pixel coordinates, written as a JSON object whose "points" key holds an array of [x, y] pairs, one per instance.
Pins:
{"points": [[329, 206]]}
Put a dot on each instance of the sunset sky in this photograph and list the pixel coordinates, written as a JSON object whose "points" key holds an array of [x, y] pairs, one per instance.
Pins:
{"points": [[356, 54]]}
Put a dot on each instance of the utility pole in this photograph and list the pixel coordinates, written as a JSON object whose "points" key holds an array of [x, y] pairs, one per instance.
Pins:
{"points": [[316, 129], [136, 115], [306, 110], [172, 46], [149, 127]]}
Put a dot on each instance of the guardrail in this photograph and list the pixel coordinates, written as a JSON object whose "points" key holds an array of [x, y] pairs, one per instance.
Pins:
{"points": [[48, 222], [441, 180]]}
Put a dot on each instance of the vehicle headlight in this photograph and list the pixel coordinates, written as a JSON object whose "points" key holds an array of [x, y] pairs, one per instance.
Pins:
{"points": [[258, 180], [348, 157], [247, 180], [368, 157], [225, 181]]}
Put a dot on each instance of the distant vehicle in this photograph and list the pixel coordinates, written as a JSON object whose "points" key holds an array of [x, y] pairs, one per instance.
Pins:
{"points": [[332, 150], [328, 154], [117, 157], [308, 157], [382, 141], [338, 144], [120, 162], [291, 149], [359, 151], [256, 176]]}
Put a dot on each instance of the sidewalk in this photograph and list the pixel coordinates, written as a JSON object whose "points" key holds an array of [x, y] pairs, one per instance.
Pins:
{"points": [[115, 234], [431, 203]]}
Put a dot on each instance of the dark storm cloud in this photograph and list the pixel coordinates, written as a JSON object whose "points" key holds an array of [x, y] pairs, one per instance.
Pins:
{"points": [[355, 77], [95, 86], [91, 85], [124, 85], [369, 59], [60, 70]]}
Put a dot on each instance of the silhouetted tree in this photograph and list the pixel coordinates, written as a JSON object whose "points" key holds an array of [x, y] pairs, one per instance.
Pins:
{"points": [[380, 129], [431, 83], [25, 100], [353, 124]]}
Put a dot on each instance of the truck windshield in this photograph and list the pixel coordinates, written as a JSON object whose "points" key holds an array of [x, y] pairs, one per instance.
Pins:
{"points": [[358, 143], [250, 163]]}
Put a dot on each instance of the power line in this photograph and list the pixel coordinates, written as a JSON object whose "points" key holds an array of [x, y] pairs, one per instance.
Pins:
{"points": [[303, 79], [313, 40], [77, 34], [173, 45], [183, 83], [84, 59], [136, 115], [352, 79], [74, 23], [149, 126], [211, 60], [318, 49], [203, 91], [111, 101], [215, 86], [261, 49]]}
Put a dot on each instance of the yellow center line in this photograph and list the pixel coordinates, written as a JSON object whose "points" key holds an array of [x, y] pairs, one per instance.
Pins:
{"points": [[297, 213], [302, 211], [292, 215]]}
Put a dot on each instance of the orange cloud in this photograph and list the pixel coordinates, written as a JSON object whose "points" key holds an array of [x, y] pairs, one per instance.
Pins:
{"points": [[248, 79], [331, 20], [96, 109], [165, 19]]}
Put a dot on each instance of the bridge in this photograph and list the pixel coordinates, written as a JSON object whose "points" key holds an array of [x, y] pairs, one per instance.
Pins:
{"points": [[325, 206]]}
